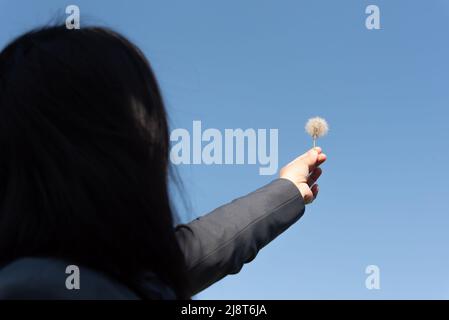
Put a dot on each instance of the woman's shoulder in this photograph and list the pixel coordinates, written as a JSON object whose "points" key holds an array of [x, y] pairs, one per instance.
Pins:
{"points": [[51, 278]]}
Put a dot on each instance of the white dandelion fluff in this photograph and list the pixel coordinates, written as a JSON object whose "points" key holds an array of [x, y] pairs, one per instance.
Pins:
{"points": [[316, 127]]}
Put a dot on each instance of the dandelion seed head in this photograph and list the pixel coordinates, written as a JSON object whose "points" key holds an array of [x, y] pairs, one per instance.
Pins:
{"points": [[317, 127]]}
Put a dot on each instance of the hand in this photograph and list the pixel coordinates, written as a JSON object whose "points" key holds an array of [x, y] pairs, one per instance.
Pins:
{"points": [[304, 171]]}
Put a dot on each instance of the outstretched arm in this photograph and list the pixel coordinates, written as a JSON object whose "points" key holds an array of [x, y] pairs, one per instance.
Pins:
{"points": [[221, 242]]}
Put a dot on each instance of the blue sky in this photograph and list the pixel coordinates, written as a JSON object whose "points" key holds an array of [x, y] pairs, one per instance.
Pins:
{"points": [[273, 64]]}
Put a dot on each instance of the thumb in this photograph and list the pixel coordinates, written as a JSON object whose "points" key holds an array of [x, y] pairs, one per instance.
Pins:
{"points": [[311, 157]]}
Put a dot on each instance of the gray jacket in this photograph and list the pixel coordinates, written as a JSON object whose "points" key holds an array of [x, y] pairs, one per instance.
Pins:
{"points": [[214, 245]]}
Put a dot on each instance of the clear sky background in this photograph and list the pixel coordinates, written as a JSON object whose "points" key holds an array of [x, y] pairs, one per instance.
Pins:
{"points": [[384, 195]]}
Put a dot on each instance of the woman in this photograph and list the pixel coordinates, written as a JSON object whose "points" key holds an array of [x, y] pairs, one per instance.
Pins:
{"points": [[83, 179]]}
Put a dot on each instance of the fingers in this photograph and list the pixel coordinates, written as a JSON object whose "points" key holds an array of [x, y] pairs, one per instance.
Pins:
{"points": [[314, 176], [309, 158], [314, 157], [306, 193], [321, 158], [304, 172], [315, 190]]}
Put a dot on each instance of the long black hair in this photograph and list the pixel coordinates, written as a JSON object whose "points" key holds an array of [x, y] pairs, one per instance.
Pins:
{"points": [[84, 155]]}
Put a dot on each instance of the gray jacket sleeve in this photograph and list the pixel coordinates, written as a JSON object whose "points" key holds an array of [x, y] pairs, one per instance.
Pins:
{"points": [[220, 242]]}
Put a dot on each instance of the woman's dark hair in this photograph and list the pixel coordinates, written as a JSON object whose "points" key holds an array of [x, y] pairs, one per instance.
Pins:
{"points": [[84, 156]]}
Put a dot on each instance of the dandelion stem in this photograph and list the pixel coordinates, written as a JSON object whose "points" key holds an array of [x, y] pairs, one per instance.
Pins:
{"points": [[314, 141]]}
